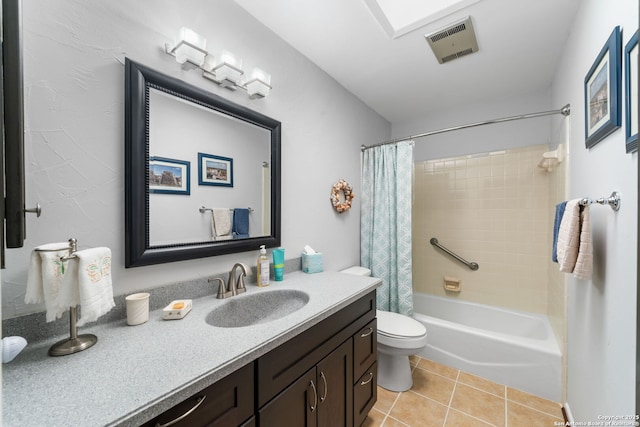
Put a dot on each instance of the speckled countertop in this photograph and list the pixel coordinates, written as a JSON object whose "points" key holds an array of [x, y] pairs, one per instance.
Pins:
{"points": [[134, 373]]}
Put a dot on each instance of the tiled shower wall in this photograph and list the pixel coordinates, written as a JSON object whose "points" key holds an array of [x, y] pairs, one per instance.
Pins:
{"points": [[493, 209]]}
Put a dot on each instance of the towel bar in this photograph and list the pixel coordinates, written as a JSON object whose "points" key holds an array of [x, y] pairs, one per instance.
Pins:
{"points": [[613, 201], [202, 209], [75, 342]]}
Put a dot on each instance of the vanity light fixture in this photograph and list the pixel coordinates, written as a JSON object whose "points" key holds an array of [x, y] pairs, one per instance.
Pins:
{"points": [[223, 68], [190, 47], [259, 83]]}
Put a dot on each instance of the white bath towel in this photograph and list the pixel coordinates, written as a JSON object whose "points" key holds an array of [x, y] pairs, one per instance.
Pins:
{"points": [[569, 237], [584, 264], [44, 278], [574, 244], [87, 282], [221, 224]]}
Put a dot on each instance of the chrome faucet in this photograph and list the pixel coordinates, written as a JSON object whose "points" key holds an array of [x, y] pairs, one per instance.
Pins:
{"points": [[222, 290], [236, 285]]}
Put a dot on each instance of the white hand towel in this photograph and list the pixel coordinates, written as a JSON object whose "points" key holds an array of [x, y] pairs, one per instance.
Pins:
{"points": [[88, 282], [44, 278], [569, 237], [584, 263], [221, 224]]}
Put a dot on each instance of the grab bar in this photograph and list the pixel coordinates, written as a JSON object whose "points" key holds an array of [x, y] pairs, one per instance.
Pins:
{"points": [[472, 265]]}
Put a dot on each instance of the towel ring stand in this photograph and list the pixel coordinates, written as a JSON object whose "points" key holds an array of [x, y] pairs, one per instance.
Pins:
{"points": [[75, 342]]}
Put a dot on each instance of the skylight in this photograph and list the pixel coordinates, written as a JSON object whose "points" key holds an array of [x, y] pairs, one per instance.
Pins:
{"points": [[399, 17]]}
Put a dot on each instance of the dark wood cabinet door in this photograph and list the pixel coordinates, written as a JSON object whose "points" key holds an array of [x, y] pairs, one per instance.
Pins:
{"points": [[335, 387], [296, 406]]}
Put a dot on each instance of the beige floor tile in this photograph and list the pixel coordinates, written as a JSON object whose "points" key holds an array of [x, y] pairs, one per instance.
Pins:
{"points": [[521, 416], [445, 371], [385, 400], [534, 402], [458, 419], [481, 383], [417, 411], [479, 404], [432, 385], [392, 422], [374, 419], [413, 360]]}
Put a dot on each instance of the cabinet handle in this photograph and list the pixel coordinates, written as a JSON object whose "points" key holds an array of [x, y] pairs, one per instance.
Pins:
{"points": [[326, 387], [367, 381], [315, 397], [366, 334], [186, 414]]}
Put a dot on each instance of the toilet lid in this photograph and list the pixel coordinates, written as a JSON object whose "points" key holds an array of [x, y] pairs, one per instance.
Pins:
{"points": [[398, 325]]}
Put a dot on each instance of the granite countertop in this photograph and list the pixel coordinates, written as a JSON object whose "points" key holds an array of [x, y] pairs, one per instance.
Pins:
{"points": [[134, 373]]}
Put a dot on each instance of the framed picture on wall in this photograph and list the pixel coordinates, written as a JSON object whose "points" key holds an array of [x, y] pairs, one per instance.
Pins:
{"points": [[631, 93], [215, 170], [602, 92], [169, 176]]}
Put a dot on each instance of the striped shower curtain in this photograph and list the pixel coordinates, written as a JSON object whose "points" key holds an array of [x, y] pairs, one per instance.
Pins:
{"points": [[385, 223]]}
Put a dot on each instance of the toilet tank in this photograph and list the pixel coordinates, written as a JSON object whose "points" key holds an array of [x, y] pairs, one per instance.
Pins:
{"points": [[357, 271]]}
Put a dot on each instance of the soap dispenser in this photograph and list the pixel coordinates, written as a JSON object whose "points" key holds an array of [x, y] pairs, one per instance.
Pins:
{"points": [[263, 267]]}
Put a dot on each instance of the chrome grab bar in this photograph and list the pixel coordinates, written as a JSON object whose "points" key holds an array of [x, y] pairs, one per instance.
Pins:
{"points": [[472, 265]]}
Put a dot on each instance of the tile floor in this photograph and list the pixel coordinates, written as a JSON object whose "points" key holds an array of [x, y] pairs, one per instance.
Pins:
{"points": [[446, 397]]}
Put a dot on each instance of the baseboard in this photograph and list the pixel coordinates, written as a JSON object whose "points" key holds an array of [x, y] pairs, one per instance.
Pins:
{"points": [[568, 416]]}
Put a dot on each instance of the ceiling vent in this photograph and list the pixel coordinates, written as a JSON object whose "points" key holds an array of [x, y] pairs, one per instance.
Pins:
{"points": [[454, 41]]}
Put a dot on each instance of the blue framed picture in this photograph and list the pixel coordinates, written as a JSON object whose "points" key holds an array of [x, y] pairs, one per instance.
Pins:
{"points": [[215, 170], [631, 93], [602, 92], [169, 176]]}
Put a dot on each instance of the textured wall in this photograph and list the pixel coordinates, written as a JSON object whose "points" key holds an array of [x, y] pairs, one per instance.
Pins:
{"points": [[74, 89]]}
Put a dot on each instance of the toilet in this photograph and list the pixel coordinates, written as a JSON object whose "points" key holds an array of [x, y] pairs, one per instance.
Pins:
{"points": [[399, 337]]}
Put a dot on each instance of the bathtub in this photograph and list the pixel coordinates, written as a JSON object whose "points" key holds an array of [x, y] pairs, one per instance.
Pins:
{"points": [[510, 347]]}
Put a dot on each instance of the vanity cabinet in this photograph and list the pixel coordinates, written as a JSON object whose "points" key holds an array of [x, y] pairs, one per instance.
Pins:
{"points": [[227, 402], [324, 376]]}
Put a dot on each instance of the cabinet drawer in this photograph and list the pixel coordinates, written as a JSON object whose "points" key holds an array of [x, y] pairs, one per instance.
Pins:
{"points": [[286, 363], [228, 402], [365, 349], [365, 394]]}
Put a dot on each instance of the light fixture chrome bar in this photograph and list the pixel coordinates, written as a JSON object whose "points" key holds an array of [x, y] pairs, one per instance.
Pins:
{"points": [[472, 265], [172, 50], [565, 111]]}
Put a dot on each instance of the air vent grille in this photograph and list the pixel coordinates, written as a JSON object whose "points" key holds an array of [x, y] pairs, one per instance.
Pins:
{"points": [[454, 41]]}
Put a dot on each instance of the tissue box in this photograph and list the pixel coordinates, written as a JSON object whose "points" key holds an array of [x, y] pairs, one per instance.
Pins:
{"points": [[312, 263]]}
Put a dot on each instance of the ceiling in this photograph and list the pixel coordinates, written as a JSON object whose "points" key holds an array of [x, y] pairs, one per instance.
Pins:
{"points": [[520, 42]]}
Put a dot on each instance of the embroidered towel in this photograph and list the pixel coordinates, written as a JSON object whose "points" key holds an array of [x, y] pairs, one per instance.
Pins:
{"points": [[44, 278], [87, 282], [569, 237], [221, 224], [584, 263], [556, 228], [240, 223]]}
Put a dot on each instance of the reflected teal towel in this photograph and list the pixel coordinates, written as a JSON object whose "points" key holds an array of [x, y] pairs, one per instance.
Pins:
{"points": [[240, 223], [556, 227]]}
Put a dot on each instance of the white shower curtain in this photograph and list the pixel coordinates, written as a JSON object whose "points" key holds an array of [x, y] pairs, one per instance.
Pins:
{"points": [[385, 223]]}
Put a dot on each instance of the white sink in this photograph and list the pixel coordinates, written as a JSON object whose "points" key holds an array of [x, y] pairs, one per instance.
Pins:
{"points": [[253, 309]]}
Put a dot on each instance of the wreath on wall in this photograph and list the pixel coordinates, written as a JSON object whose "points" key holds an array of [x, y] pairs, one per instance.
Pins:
{"points": [[344, 187]]}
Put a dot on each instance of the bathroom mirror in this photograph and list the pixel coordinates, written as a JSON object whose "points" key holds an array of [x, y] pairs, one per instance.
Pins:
{"points": [[189, 152]]}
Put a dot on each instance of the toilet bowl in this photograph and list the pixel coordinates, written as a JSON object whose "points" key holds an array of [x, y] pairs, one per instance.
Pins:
{"points": [[399, 337]]}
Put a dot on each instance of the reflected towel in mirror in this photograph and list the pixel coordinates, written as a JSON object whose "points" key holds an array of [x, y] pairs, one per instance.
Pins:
{"points": [[240, 223], [221, 224]]}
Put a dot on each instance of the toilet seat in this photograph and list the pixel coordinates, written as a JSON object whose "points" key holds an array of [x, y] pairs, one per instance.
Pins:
{"points": [[396, 325]]}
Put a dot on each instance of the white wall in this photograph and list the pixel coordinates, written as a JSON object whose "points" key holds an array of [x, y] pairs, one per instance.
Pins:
{"points": [[74, 52], [601, 312]]}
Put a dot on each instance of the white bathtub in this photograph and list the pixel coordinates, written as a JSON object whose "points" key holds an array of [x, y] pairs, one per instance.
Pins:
{"points": [[510, 347]]}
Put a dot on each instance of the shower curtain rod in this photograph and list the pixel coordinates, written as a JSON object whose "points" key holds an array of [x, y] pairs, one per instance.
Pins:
{"points": [[565, 111]]}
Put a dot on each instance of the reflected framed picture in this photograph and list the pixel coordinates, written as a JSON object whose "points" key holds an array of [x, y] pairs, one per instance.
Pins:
{"points": [[215, 170], [602, 92], [631, 93], [169, 176]]}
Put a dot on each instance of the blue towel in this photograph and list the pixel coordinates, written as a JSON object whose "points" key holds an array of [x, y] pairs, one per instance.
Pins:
{"points": [[556, 227], [240, 223]]}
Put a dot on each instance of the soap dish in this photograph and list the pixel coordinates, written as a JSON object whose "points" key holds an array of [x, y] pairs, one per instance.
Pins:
{"points": [[176, 309]]}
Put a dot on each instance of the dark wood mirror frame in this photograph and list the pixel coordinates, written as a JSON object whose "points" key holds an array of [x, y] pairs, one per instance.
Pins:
{"points": [[138, 251]]}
